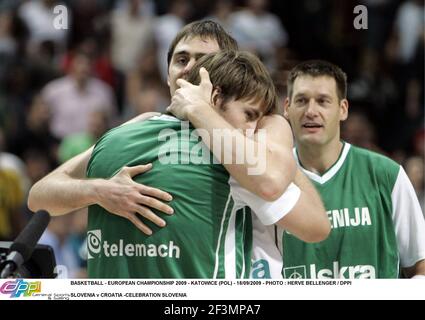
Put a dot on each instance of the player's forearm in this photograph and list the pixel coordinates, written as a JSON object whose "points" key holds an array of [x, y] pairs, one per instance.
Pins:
{"points": [[305, 185], [314, 225], [64, 189], [281, 165], [258, 166], [417, 270], [60, 194]]}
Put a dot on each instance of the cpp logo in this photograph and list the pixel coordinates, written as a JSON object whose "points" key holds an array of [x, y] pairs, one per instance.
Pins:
{"points": [[19, 287], [94, 239], [297, 272]]}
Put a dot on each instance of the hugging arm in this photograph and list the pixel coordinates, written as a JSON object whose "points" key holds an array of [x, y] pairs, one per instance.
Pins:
{"points": [[67, 189], [275, 167]]}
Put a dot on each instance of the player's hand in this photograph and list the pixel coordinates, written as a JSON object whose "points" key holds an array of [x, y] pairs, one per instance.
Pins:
{"points": [[124, 197], [189, 97]]}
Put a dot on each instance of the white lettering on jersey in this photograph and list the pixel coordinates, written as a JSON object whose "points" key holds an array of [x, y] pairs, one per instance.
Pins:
{"points": [[347, 218], [345, 272], [95, 246], [260, 270]]}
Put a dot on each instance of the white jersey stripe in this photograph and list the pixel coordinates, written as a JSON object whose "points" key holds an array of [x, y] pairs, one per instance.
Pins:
{"points": [[230, 248], [243, 247], [217, 251]]}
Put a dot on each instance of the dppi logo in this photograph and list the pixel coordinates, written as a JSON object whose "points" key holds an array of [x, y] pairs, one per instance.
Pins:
{"points": [[94, 238], [20, 287]]}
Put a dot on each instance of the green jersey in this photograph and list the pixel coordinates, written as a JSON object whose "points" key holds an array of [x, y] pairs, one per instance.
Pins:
{"points": [[208, 236], [376, 220]]}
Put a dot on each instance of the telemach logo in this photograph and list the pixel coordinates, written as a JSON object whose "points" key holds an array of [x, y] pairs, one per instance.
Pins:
{"points": [[97, 248], [337, 272], [94, 238]]}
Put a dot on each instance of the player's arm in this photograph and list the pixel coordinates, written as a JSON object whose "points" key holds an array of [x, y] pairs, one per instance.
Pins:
{"points": [[275, 169], [66, 189], [409, 225], [275, 166], [299, 210], [308, 219], [416, 271]]}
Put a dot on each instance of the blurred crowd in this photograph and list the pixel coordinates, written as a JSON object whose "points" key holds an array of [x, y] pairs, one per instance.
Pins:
{"points": [[62, 88]]}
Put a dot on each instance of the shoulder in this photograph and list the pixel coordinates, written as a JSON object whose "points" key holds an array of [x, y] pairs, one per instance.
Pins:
{"points": [[273, 122], [140, 124], [380, 166], [142, 117], [377, 159], [118, 131]]}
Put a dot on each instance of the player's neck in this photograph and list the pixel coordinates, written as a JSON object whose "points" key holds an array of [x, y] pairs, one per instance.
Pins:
{"points": [[319, 158]]}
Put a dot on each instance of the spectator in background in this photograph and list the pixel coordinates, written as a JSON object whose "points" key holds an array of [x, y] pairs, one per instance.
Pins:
{"points": [[89, 19], [36, 131], [358, 130], [76, 143], [259, 30], [12, 193], [38, 16], [222, 13], [58, 235], [8, 45], [370, 64], [405, 50], [98, 49], [78, 241], [148, 100], [72, 98], [147, 8], [145, 82], [11, 199], [8, 50], [37, 164], [408, 29], [419, 143], [9, 161], [415, 171], [132, 35], [415, 166]]}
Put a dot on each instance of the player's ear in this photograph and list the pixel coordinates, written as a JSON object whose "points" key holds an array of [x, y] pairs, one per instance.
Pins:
{"points": [[343, 110], [285, 108], [216, 97]]}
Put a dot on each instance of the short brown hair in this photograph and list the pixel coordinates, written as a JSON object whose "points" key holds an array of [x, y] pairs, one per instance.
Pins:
{"points": [[319, 68], [239, 75], [204, 29]]}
